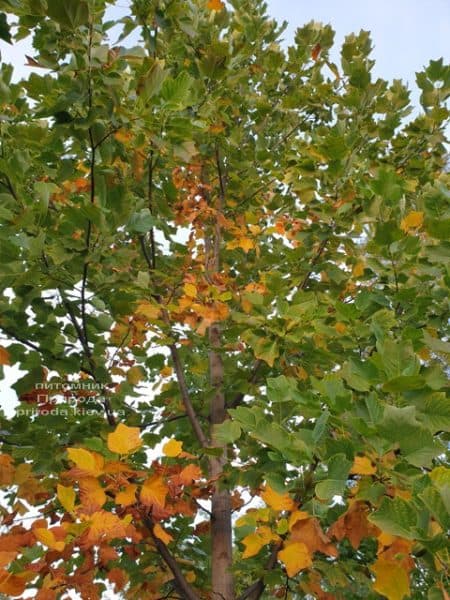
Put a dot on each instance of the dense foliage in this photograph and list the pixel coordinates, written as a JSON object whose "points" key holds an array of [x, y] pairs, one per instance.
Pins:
{"points": [[224, 274]]}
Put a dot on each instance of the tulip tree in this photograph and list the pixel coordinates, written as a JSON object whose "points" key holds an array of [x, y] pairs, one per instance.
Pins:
{"points": [[224, 279]]}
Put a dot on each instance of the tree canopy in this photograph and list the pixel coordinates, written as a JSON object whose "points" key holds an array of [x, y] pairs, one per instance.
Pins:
{"points": [[224, 271]]}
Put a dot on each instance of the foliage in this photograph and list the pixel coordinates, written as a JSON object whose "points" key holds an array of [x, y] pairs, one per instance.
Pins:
{"points": [[224, 273]]}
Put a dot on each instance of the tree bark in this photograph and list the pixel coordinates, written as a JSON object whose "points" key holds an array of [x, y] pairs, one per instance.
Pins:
{"points": [[221, 530], [221, 506]]}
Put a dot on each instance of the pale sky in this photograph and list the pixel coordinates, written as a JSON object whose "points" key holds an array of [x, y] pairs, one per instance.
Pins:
{"points": [[406, 34]]}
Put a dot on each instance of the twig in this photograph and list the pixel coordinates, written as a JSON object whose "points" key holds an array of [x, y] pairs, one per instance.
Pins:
{"points": [[255, 590], [252, 379], [183, 585]]}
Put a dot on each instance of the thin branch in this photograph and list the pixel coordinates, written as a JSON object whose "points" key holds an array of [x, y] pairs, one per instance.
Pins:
{"points": [[150, 207], [314, 261], [178, 367], [190, 411], [162, 421], [256, 590], [183, 585], [237, 400]]}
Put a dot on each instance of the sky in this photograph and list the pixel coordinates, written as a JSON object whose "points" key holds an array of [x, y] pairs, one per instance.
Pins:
{"points": [[406, 34]]}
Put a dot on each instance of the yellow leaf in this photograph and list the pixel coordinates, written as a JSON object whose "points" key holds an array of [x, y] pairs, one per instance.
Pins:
{"points": [[124, 440], [358, 269], [215, 5], [295, 558], [172, 448], [190, 577], [154, 491], [166, 371], [190, 290], [161, 534], [277, 501], [362, 466], [135, 375], [391, 579], [4, 356], [413, 220], [255, 541], [246, 244], [296, 516], [127, 497], [302, 374], [47, 537], [89, 462], [66, 496], [148, 310], [341, 327]]}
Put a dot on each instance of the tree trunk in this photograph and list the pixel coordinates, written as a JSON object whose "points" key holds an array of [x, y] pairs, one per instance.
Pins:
{"points": [[221, 530]]}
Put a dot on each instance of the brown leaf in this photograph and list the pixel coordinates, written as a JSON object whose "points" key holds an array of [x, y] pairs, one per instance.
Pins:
{"points": [[310, 533]]}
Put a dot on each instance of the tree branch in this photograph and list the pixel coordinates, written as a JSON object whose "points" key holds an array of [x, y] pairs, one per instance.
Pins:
{"points": [[183, 585], [256, 590], [237, 400]]}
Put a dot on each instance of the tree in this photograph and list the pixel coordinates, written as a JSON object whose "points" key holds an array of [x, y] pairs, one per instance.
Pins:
{"points": [[225, 276]]}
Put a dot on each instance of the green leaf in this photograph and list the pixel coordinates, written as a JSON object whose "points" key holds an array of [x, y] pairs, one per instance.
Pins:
{"points": [[227, 432], [142, 221], [177, 93], [5, 33], [70, 13], [396, 517], [336, 481]]}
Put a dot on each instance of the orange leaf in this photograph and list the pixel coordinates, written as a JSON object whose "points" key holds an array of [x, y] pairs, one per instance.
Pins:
{"points": [[89, 463], [277, 501], [4, 356], [66, 496], [315, 52], [127, 497], [47, 537], [154, 491], [122, 136], [310, 533], [295, 558], [353, 525], [362, 466], [14, 585], [391, 580], [118, 577], [190, 474], [92, 495], [215, 5], [124, 440], [413, 220], [104, 526], [341, 327], [172, 448], [7, 557], [7, 470], [161, 534]]}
